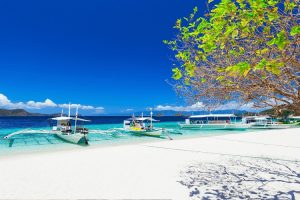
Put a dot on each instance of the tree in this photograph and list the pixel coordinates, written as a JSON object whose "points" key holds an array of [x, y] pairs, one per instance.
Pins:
{"points": [[242, 50]]}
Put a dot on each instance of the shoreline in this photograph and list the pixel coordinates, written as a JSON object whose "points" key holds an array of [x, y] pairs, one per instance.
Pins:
{"points": [[20, 151]]}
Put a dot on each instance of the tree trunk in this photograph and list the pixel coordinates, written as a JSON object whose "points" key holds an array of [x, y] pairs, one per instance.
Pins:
{"points": [[296, 109]]}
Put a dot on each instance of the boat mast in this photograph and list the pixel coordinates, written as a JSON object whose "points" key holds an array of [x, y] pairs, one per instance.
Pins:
{"points": [[69, 109], [76, 116], [151, 113]]}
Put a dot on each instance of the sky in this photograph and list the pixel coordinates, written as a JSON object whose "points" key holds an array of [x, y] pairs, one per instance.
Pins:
{"points": [[105, 56], [102, 54]]}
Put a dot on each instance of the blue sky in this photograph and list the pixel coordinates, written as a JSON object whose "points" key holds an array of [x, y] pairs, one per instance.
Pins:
{"points": [[100, 53], [107, 56]]}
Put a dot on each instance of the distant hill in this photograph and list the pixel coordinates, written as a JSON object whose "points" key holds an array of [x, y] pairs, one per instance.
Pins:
{"points": [[22, 112], [17, 112]]}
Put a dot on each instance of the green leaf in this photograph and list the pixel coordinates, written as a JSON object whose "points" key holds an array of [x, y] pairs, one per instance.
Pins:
{"points": [[264, 51], [244, 68], [244, 22], [220, 78], [261, 64], [229, 30], [271, 42], [176, 74], [281, 40], [272, 15], [235, 33], [267, 30], [242, 50], [272, 2], [220, 69], [187, 81], [295, 30], [246, 71], [178, 24], [195, 9], [288, 6], [190, 69], [229, 68], [273, 66]]}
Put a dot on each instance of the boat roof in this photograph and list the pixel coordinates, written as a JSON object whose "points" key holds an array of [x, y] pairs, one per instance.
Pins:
{"points": [[294, 117], [258, 117], [69, 118], [142, 119], [213, 115]]}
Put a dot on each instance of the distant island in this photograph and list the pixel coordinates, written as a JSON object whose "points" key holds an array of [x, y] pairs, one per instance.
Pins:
{"points": [[24, 113], [18, 112]]}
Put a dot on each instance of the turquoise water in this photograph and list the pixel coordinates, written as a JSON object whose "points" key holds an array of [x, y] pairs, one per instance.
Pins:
{"points": [[109, 136]]}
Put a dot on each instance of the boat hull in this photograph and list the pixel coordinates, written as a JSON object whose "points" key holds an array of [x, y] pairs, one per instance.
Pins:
{"points": [[271, 126], [153, 133], [76, 138], [215, 126]]}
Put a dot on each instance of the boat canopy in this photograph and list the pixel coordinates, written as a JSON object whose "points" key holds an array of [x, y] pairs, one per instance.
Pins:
{"points": [[69, 118], [294, 117], [143, 119], [212, 115], [262, 117]]}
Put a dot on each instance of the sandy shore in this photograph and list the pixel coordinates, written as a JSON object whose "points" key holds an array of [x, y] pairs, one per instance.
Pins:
{"points": [[250, 165]]}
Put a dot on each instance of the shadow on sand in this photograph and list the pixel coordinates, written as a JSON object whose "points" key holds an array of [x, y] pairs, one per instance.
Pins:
{"points": [[243, 178]]}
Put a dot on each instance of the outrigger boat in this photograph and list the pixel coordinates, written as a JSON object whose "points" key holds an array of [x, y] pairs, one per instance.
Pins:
{"points": [[142, 126], [214, 122], [294, 119], [264, 122], [63, 129]]}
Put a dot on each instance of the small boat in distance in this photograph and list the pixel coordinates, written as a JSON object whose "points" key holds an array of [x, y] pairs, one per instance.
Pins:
{"points": [[264, 122], [142, 126], [214, 122]]}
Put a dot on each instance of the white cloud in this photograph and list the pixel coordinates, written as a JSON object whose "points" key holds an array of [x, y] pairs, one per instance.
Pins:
{"points": [[82, 107], [200, 106], [6, 103], [39, 105], [4, 100], [128, 110], [233, 105]]}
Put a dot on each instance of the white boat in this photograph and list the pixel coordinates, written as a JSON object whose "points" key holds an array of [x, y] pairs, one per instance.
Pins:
{"points": [[264, 122], [66, 128], [142, 126], [65, 131], [294, 119], [214, 122]]}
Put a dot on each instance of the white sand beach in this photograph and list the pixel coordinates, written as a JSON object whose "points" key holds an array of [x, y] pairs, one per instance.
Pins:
{"points": [[260, 165]]}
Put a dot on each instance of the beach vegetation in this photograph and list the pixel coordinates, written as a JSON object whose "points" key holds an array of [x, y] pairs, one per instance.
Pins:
{"points": [[242, 50]]}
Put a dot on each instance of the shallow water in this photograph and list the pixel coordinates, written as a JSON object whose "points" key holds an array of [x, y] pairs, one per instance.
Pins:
{"points": [[106, 125]]}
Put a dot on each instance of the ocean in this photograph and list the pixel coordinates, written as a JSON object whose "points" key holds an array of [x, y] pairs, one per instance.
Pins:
{"points": [[107, 135]]}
